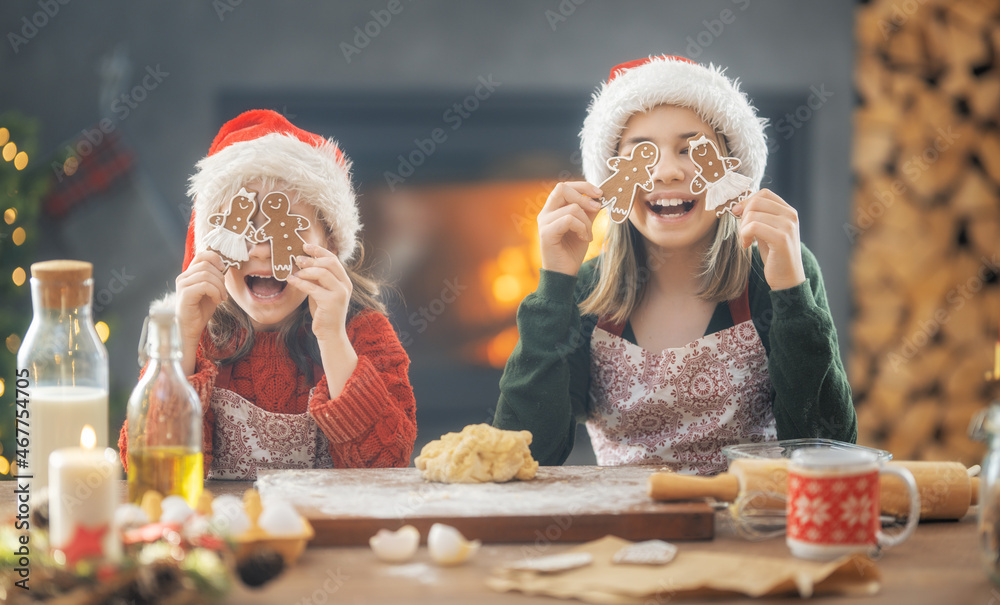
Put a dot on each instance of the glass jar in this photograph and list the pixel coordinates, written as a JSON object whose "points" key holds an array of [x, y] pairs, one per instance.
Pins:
{"points": [[164, 418], [66, 364], [986, 427]]}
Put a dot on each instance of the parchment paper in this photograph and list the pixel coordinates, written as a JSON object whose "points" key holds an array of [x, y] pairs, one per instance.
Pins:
{"points": [[692, 574]]}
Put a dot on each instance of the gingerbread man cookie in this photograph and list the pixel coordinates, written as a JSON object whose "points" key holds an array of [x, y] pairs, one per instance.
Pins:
{"points": [[281, 228], [717, 175], [231, 229], [630, 173]]}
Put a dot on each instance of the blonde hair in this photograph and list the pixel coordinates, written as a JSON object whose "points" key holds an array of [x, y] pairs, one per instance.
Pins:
{"points": [[230, 332], [625, 266]]}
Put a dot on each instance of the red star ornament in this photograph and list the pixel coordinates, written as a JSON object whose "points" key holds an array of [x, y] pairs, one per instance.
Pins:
{"points": [[85, 544]]}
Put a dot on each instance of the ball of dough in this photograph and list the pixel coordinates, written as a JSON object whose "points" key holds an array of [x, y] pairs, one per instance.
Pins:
{"points": [[478, 454]]}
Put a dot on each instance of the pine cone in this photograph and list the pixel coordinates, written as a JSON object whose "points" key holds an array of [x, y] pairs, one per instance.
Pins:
{"points": [[260, 567]]}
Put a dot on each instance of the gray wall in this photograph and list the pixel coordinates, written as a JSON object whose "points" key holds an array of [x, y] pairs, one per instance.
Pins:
{"points": [[778, 46]]}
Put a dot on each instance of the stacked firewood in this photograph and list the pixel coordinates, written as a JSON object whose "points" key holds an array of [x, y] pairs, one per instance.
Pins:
{"points": [[925, 223]]}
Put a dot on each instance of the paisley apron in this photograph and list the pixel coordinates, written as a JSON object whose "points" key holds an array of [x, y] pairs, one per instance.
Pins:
{"points": [[247, 438], [679, 407]]}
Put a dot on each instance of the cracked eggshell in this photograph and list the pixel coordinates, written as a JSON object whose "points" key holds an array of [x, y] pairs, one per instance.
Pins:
{"points": [[228, 516], [195, 526], [128, 516], [447, 546], [279, 518], [395, 546], [175, 509]]}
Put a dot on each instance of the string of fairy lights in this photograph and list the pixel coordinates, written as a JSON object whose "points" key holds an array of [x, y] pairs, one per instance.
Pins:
{"points": [[10, 153]]}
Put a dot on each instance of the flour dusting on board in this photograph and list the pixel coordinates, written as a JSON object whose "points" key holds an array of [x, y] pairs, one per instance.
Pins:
{"points": [[398, 493]]}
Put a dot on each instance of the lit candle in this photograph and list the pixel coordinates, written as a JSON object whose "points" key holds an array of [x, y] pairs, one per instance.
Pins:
{"points": [[83, 495]]}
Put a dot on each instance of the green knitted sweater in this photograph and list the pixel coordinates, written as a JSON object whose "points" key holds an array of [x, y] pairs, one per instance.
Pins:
{"points": [[545, 387]]}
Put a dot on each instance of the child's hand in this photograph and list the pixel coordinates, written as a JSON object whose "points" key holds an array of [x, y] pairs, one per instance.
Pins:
{"points": [[775, 225], [200, 289], [566, 224], [324, 279]]}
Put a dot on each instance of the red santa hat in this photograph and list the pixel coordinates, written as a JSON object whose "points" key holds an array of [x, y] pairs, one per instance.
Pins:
{"points": [[638, 86], [262, 144]]}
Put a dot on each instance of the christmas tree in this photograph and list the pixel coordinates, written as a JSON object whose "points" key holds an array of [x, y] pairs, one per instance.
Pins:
{"points": [[23, 183]]}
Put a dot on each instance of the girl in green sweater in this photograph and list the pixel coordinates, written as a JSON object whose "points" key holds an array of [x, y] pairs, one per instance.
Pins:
{"points": [[691, 331]]}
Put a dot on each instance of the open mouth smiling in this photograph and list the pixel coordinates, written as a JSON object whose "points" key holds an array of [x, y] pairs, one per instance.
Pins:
{"points": [[264, 287], [671, 207]]}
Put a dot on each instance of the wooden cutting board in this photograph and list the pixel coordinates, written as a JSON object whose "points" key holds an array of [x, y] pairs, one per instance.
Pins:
{"points": [[561, 504]]}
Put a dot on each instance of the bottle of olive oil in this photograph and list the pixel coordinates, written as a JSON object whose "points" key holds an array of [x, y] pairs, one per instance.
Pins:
{"points": [[164, 418]]}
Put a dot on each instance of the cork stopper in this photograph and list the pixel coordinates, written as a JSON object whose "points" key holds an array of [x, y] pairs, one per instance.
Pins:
{"points": [[63, 283]]}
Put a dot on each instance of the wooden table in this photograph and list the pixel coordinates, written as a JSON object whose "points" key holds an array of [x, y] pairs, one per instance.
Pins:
{"points": [[939, 564]]}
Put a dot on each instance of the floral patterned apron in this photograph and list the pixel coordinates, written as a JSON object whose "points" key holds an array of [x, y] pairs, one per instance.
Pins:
{"points": [[247, 438], [680, 407]]}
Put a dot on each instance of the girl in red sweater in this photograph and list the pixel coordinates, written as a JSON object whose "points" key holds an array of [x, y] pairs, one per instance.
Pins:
{"points": [[304, 372]]}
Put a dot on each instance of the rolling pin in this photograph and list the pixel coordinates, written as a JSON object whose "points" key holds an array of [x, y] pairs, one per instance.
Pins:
{"points": [[946, 490]]}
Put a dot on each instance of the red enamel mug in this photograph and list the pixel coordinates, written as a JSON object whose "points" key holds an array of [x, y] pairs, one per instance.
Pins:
{"points": [[833, 505]]}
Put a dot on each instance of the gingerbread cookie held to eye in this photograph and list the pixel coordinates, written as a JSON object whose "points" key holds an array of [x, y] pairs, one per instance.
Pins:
{"points": [[717, 176], [231, 230], [630, 173], [281, 228]]}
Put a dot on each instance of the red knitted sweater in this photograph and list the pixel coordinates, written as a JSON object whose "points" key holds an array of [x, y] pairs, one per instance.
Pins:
{"points": [[371, 424]]}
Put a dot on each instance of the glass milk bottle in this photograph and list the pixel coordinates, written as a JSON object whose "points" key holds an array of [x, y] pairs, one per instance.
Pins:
{"points": [[164, 418], [66, 365]]}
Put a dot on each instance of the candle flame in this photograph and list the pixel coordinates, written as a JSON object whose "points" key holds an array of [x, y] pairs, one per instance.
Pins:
{"points": [[88, 438]]}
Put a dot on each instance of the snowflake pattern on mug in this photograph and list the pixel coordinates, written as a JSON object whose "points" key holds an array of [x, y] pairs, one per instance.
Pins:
{"points": [[834, 510]]}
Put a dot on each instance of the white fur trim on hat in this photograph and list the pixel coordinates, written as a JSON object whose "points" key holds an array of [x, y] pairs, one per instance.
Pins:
{"points": [[313, 172], [714, 97]]}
